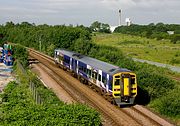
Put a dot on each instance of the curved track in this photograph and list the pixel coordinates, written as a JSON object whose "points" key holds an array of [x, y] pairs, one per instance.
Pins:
{"points": [[112, 115]]}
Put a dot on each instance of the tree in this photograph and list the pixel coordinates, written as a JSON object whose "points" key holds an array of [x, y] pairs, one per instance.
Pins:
{"points": [[104, 28], [100, 27], [95, 26], [9, 24]]}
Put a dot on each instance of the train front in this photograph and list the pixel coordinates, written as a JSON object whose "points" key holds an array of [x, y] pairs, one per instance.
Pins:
{"points": [[124, 88]]}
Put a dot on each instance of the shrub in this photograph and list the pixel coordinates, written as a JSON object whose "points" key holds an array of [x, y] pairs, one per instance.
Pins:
{"points": [[169, 103]]}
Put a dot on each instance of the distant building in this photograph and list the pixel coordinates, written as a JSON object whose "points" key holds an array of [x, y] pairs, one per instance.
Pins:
{"points": [[128, 21], [112, 28]]}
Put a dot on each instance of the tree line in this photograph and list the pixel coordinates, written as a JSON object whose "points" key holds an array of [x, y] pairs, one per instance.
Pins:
{"points": [[154, 86], [158, 31]]}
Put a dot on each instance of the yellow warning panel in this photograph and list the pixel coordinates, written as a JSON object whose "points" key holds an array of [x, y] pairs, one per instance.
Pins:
{"points": [[126, 87]]}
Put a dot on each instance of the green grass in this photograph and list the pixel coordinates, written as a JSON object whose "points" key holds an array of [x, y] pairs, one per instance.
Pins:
{"points": [[162, 51], [18, 107]]}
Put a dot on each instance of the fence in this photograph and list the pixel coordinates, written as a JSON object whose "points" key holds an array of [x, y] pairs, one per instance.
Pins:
{"points": [[36, 96], [35, 93]]}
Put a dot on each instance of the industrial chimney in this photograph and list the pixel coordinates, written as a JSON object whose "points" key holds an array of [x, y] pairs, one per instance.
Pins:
{"points": [[120, 17]]}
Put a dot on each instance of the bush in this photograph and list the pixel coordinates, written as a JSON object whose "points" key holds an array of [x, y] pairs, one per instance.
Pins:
{"points": [[20, 53], [169, 103], [21, 108], [156, 85]]}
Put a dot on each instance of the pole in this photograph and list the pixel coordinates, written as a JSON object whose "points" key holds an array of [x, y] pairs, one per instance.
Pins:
{"points": [[40, 43]]}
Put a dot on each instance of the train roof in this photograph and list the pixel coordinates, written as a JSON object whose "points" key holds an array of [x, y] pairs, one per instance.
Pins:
{"points": [[105, 67]]}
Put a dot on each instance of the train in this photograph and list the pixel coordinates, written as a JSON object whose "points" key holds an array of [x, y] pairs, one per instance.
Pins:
{"points": [[117, 85]]}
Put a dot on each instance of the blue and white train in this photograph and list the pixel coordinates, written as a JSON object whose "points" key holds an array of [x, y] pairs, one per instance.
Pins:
{"points": [[118, 85]]}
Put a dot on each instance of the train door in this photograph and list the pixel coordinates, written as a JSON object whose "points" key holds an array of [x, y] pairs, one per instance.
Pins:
{"points": [[107, 83], [99, 79], [94, 76], [89, 73], [70, 64], [56, 57], [76, 66], [126, 81]]}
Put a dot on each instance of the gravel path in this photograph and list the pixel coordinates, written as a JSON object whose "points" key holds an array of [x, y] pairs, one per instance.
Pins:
{"points": [[173, 68]]}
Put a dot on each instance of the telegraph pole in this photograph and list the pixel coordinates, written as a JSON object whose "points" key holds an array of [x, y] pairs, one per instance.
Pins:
{"points": [[40, 43]]}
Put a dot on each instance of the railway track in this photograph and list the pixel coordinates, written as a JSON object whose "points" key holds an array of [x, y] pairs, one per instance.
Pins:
{"points": [[112, 115]]}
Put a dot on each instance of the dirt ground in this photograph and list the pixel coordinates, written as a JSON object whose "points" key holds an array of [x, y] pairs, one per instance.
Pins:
{"points": [[52, 84], [5, 75]]}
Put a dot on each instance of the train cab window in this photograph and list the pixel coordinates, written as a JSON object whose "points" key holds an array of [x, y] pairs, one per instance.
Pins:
{"points": [[117, 76], [117, 82], [132, 80], [99, 77]]}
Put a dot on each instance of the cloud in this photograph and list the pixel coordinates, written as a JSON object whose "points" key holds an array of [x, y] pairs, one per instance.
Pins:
{"points": [[87, 11]]}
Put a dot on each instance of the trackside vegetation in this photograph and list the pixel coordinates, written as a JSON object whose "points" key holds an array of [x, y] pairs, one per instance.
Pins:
{"points": [[18, 106], [156, 90]]}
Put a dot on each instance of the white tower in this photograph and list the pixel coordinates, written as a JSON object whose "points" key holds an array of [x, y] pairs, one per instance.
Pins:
{"points": [[120, 17]]}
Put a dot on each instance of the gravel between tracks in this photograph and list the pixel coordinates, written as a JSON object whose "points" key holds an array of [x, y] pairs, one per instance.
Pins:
{"points": [[52, 84]]}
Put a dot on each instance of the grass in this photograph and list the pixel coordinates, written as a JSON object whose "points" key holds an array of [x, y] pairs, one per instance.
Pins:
{"points": [[162, 51]]}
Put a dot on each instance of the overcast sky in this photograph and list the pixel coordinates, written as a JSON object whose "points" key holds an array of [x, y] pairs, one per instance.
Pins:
{"points": [[85, 12]]}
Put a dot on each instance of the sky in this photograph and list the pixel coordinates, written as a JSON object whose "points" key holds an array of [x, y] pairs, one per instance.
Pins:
{"points": [[85, 12]]}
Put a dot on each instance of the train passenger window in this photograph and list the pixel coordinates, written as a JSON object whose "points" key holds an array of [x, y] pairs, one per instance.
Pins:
{"points": [[104, 80], [66, 60], [110, 85], [99, 77], [96, 75], [89, 72], [93, 74], [84, 70], [117, 82]]}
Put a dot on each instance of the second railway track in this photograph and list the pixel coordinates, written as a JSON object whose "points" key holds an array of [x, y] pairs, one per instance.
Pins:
{"points": [[112, 115]]}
